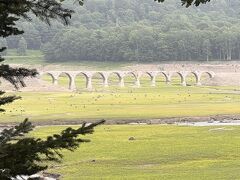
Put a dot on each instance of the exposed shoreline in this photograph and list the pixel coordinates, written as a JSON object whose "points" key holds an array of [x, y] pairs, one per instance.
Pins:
{"points": [[190, 121]]}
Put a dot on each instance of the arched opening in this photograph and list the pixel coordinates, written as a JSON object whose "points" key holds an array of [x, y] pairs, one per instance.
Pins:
{"points": [[191, 79], [98, 80], [205, 78], [114, 79], [130, 79], [47, 77], [176, 79], [64, 80], [81, 81], [146, 80], [161, 79]]}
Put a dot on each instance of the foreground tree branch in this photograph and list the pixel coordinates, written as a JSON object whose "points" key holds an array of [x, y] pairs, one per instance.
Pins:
{"points": [[20, 155]]}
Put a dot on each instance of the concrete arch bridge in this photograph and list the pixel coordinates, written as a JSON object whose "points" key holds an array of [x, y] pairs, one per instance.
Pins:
{"points": [[72, 75]]}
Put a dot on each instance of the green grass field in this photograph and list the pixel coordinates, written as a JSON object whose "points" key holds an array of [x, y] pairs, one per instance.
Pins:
{"points": [[159, 152], [127, 103]]}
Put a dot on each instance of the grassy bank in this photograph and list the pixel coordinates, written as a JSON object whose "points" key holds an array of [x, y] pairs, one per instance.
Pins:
{"points": [[126, 103], [159, 152]]}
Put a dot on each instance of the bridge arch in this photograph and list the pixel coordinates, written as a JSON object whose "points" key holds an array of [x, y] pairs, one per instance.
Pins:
{"points": [[176, 78], [82, 73], [100, 73], [131, 79], [65, 73], [100, 78], [131, 73], [53, 75], [190, 81], [205, 75], [71, 79], [165, 75], [209, 73], [147, 78], [120, 76], [88, 78], [53, 78], [178, 74], [150, 74], [80, 80]]}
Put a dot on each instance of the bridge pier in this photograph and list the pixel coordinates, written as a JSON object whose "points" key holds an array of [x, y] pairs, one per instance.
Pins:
{"points": [[137, 83], [198, 80], [89, 83], [105, 82], [55, 81], [183, 76], [105, 79], [153, 81], [168, 80], [72, 85], [183, 83], [168, 77], [121, 81]]}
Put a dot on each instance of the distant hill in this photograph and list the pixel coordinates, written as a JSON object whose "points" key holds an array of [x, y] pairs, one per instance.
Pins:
{"points": [[139, 30]]}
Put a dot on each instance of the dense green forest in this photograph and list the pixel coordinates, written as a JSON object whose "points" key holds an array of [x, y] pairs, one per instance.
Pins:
{"points": [[138, 30]]}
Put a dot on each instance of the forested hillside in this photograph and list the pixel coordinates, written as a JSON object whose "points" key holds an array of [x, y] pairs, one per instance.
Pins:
{"points": [[139, 30]]}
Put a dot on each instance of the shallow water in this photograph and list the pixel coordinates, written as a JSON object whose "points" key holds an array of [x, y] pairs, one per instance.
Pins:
{"points": [[212, 123]]}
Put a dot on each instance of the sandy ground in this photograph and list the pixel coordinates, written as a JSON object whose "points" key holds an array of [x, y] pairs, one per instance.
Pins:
{"points": [[224, 79], [34, 84]]}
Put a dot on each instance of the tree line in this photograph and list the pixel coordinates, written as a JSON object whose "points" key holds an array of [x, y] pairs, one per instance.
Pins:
{"points": [[144, 44], [139, 30]]}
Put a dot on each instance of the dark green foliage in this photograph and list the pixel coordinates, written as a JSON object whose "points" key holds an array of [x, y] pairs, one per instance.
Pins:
{"points": [[21, 155], [16, 75], [6, 99], [13, 10], [147, 31]]}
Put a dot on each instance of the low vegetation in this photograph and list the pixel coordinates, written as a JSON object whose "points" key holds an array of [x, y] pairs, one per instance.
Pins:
{"points": [[127, 103], [155, 152]]}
